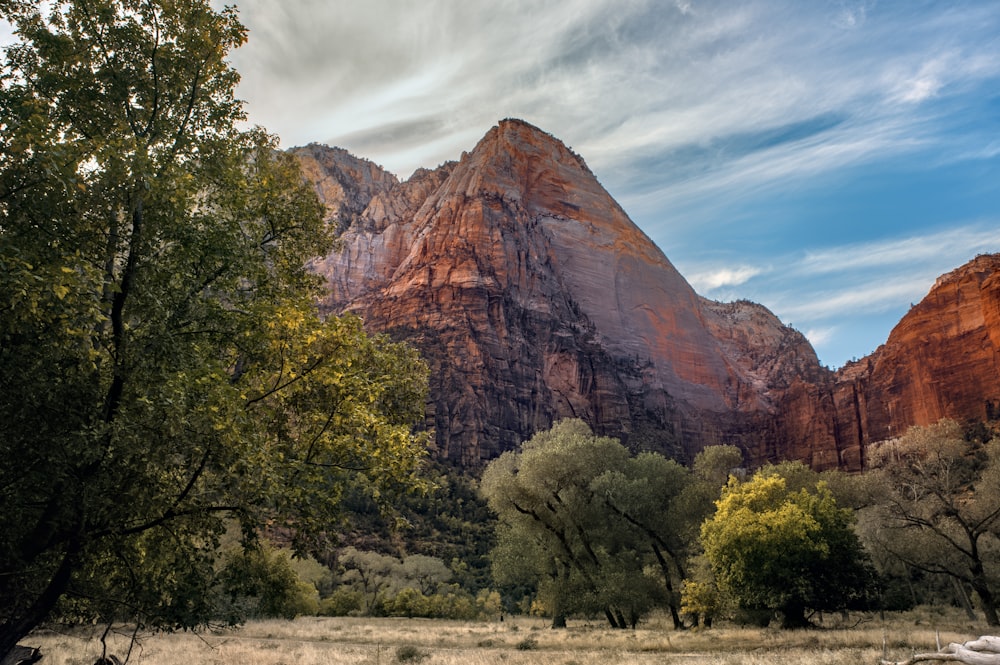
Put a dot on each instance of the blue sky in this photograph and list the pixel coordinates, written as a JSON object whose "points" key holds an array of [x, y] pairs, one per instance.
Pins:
{"points": [[826, 158]]}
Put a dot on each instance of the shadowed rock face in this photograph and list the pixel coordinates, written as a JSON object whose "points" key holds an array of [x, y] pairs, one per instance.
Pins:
{"points": [[534, 297]]}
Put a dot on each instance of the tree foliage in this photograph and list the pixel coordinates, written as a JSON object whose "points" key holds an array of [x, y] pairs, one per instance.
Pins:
{"points": [[418, 585], [162, 360], [261, 582], [938, 510], [771, 548], [590, 526]]}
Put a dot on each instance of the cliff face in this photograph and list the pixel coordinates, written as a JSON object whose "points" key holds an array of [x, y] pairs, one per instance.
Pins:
{"points": [[534, 297], [941, 360]]}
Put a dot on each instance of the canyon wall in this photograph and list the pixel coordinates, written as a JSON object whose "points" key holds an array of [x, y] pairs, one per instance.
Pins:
{"points": [[534, 297]]}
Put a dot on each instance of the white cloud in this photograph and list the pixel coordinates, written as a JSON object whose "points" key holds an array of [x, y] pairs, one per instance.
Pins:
{"points": [[872, 297], [820, 336], [925, 83], [853, 15], [705, 282]]}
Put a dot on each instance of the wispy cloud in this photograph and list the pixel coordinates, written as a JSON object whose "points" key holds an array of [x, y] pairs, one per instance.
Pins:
{"points": [[944, 247], [868, 297], [820, 289], [857, 276], [821, 336], [710, 280], [697, 116], [620, 80]]}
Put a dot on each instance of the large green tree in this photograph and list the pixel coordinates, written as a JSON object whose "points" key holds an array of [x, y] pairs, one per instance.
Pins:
{"points": [[586, 522], [937, 507], [551, 532], [772, 548], [162, 364]]}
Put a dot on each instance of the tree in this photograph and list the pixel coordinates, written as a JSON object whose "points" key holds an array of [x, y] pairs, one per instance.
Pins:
{"points": [[646, 496], [261, 582], [939, 511], [583, 520], [774, 549], [371, 573], [162, 361], [542, 497], [425, 573]]}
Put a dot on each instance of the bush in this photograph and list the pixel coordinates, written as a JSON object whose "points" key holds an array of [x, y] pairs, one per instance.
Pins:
{"points": [[700, 600], [410, 654], [489, 605], [260, 582], [527, 644], [342, 602], [409, 603]]}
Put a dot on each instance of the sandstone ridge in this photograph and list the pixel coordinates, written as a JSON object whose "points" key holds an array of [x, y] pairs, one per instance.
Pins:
{"points": [[534, 297]]}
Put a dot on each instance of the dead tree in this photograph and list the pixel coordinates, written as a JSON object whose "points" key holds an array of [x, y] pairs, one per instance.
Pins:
{"points": [[20, 655], [984, 651]]}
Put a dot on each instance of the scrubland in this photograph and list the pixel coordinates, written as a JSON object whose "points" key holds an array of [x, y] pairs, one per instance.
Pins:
{"points": [[519, 641]]}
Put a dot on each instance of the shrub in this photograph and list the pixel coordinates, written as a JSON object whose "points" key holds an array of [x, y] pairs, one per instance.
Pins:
{"points": [[527, 644], [409, 603], [700, 600], [410, 654], [342, 602]]}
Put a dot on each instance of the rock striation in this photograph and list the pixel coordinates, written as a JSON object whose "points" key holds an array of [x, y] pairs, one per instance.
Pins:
{"points": [[534, 297]]}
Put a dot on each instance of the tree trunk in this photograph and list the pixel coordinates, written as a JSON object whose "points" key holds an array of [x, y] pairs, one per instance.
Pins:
{"points": [[963, 598], [793, 615], [16, 628], [668, 583], [986, 600]]}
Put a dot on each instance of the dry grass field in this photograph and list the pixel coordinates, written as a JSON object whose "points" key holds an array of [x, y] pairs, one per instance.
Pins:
{"points": [[519, 641]]}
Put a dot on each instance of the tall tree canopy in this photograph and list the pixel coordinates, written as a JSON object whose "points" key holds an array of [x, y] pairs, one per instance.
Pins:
{"points": [[587, 523], [162, 363]]}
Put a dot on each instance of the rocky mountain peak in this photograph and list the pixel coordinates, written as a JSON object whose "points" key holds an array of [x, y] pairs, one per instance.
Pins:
{"points": [[517, 163], [534, 297], [345, 183]]}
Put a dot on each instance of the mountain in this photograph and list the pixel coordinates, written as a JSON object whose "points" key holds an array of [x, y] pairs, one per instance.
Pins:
{"points": [[534, 297], [941, 360]]}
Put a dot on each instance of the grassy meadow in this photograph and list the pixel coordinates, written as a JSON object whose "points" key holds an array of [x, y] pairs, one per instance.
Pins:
{"points": [[519, 641]]}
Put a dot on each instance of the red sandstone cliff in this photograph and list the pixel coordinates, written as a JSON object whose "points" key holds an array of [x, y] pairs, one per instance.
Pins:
{"points": [[944, 355], [941, 360], [534, 297]]}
